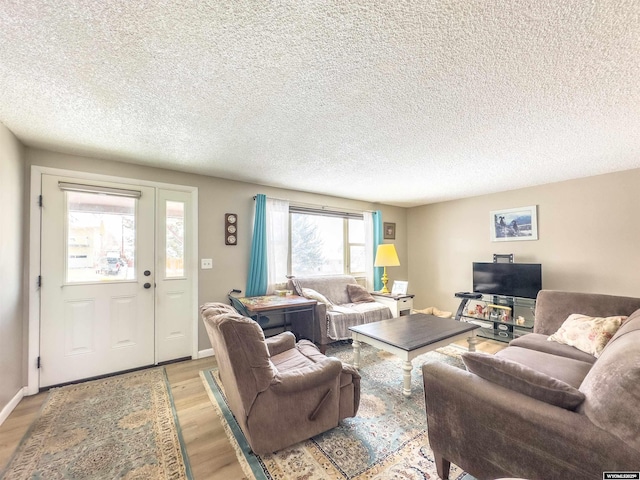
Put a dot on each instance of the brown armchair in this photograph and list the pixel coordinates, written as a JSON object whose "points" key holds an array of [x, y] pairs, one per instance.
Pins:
{"points": [[281, 392]]}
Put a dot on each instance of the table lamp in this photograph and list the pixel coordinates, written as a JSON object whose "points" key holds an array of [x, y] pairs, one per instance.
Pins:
{"points": [[386, 256]]}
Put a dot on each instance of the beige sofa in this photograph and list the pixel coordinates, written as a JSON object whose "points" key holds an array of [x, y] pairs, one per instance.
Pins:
{"points": [[541, 409], [334, 319], [280, 392]]}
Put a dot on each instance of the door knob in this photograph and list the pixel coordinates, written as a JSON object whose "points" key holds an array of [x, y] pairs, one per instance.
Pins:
{"points": [[147, 285], [147, 273]]}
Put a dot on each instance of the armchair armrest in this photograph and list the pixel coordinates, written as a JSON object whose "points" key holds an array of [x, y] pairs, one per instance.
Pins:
{"points": [[280, 343], [307, 377], [351, 370]]}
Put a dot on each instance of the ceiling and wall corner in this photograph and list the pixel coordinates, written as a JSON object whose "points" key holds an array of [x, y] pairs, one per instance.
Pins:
{"points": [[401, 103]]}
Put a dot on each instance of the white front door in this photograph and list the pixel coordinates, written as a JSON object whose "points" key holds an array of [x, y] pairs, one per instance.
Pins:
{"points": [[98, 279]]}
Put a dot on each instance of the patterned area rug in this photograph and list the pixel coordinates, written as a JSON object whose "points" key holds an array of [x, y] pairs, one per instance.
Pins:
{"points": [[118, 427], [387, 439]]}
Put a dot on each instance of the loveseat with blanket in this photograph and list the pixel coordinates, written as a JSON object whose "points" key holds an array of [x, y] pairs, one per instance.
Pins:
{"points": [[342, 303], [562, 402]]}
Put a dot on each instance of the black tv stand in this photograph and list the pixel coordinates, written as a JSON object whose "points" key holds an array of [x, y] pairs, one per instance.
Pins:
{"points": [[500, 317], [465, 296], [468, 295]]}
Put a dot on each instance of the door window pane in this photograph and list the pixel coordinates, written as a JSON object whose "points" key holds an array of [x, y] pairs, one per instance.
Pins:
{"points": [[101, 237], [174, 246]]}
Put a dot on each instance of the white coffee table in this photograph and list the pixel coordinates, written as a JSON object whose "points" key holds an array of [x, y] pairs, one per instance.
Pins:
{"points": [[410, 336]]}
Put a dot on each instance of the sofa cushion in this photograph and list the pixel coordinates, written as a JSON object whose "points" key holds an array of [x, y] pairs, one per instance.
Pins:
{"points": [[317, 296], [612, 388], [373, 311], [567, 370], [291, 359], [589, 334], [538, 341], [522, 379], [359, 294], [341, 317]]}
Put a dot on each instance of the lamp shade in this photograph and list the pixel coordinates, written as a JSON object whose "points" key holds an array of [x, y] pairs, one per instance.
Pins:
{"points": [[386, 256]]}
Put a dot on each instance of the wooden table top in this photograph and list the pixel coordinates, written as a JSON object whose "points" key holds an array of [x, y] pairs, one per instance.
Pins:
{"points": [[411, 332], [397, 296], [265, 303]]}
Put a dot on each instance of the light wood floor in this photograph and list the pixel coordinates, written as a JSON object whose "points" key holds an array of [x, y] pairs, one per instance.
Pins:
{"points": [[210, 453]]}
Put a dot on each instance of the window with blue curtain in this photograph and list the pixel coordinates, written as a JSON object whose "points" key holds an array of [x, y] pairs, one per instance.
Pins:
{"points": [[377, 240], [257, 279]]}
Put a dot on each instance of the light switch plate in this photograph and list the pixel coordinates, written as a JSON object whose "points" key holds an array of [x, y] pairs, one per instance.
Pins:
{"points": [[206, 263]]}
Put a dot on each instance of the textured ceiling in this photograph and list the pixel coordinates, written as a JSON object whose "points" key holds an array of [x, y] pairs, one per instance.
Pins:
{"points": [[399, 102]]}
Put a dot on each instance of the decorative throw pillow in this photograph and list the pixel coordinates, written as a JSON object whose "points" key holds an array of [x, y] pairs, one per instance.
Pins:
{"points": [[359, 294], [589, 334], [520, 378], [317, 296]]}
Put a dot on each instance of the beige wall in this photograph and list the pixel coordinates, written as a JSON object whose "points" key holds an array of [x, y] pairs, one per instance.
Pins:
{"points": [[589, 232], [11, 266], [216, 197]]}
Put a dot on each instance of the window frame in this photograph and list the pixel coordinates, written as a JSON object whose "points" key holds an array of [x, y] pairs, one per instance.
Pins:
{"points": [[346, 245]]}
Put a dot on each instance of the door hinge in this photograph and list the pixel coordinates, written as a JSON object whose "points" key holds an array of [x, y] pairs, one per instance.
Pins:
{"points": [[40, 200], [38, 364], [39, 280]]}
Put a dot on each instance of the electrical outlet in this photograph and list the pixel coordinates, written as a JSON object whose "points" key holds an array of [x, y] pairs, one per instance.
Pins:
{"points": [[206, 263]]}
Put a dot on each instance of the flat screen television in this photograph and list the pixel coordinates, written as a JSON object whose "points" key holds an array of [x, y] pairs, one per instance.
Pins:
{"points": [[508, 279]]}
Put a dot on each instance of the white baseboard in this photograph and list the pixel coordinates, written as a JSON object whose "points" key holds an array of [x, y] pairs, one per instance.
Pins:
{"points": [[205, 353], [13, 403]]}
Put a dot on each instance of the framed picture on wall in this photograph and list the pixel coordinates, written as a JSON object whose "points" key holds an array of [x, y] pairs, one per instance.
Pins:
{"points": [[389, 231], [512, 224]]}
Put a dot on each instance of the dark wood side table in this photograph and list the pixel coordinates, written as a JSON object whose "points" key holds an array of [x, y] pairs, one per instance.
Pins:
{"points": [[280, 305]]}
